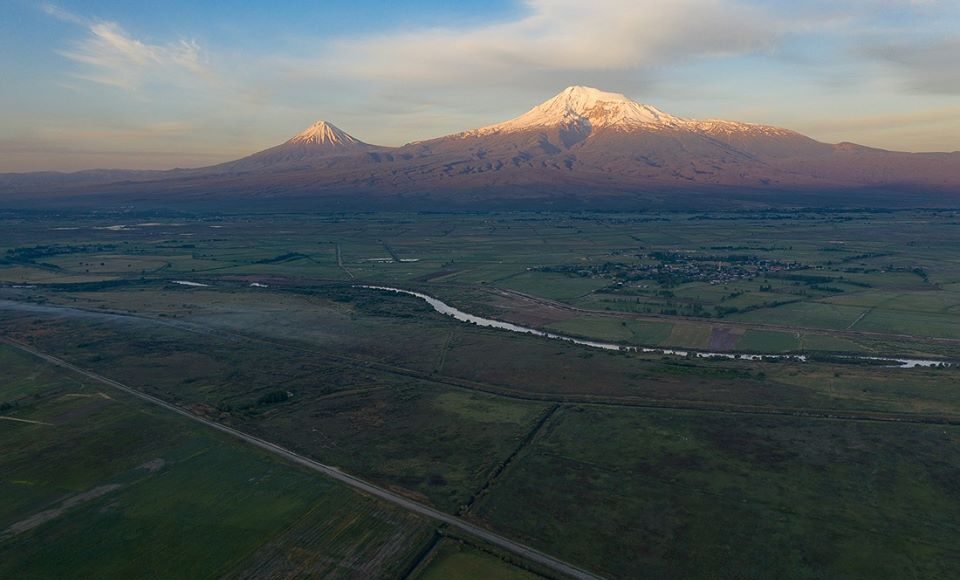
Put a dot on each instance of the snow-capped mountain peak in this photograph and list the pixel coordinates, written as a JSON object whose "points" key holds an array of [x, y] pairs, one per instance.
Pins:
{"points": [[581, 142], [602, 108], [324, 133], [587, 107], [318, 143]]}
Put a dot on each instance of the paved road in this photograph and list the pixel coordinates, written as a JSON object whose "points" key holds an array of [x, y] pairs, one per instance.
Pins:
{"points": [[332, 472]]}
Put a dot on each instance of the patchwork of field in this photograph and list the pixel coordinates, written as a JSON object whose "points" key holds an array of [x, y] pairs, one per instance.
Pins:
{"points": [[96, 484], [434, 444], [625, 464], [694, 495], [377, 351], [886, 273]]}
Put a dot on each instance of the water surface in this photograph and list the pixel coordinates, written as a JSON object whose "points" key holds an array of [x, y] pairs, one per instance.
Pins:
{"points": [[446, 309]]}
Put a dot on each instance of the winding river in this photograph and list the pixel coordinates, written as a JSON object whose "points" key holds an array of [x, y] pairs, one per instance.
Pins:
{"points": [[446, 309]]}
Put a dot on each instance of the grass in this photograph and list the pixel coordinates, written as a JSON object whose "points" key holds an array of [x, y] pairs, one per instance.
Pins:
{"points": [[689, 334], [437, 445], [692, 495], [433, 445], [807, 315], [875, 265], [380, 386], [768, 341], [614, 330], [555, 286], [31, 275], [830, 343], [944, 325], [24, 378], [223, 376], [178, 500], [455, 561]]}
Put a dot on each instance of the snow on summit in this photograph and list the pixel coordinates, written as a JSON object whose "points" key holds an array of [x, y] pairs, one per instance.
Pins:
{"points": [[322, 140], [323, 132], [579, 141], [586, 107]]}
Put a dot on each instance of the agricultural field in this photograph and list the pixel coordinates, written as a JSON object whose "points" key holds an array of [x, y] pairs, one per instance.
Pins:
{"points": [[828, 273], [435, 444], [694, 495], [620, 462], [91, 475], [456, 561]]}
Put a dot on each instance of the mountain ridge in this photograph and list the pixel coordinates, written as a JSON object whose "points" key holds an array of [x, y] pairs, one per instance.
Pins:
{"points": [[580, 142]]}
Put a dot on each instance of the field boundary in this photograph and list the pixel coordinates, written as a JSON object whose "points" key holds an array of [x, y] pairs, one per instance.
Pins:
{"points": [[356, 483], [561, 398]]}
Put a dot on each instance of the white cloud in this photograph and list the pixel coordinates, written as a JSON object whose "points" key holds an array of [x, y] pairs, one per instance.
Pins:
{"points": [[555, 35], [400, 84], [110, 55], [61, 14], [923, 67]]}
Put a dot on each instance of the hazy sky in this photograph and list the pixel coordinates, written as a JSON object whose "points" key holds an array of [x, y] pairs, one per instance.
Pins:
{"points": [[165, 83]]}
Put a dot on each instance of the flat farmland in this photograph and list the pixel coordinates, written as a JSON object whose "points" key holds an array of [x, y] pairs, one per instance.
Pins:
{"points": [[689, 495], [91, 476], [455, 561], [626, 464], [247, 345], [827, 271], [436, 445]]}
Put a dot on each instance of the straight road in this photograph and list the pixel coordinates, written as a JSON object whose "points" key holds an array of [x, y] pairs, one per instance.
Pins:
{"points": [[490, 537]]}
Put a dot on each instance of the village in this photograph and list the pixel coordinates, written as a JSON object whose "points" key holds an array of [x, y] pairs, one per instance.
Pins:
{"points": [[668, 269]]}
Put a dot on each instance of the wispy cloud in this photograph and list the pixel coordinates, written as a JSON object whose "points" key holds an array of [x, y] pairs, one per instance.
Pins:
{"points": [[554, 35], [110, 55], [61, 14], [392, 84], [927, 67]]}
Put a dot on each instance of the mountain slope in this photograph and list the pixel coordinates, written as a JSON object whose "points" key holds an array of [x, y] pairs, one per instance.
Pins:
{"points": [[583, 143], [586, 136], [316, 144]]}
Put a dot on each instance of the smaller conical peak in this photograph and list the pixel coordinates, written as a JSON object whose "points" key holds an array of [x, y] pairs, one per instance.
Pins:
{"points": [[324, 133]]}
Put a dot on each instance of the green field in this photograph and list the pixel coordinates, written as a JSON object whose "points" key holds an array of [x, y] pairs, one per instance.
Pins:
{"points": [[91, 477], [768, 341], [885, 272], [627, 331], [628, 464], [554, 286], [438, 445], [454, 561], [688, 495]]}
